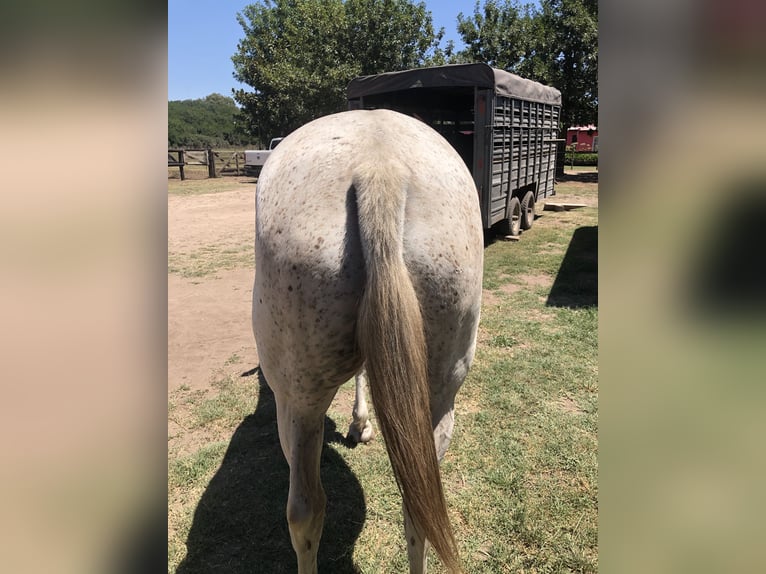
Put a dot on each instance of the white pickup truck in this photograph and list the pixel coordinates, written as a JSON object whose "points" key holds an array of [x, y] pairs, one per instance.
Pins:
{"points": [[254, 159]]}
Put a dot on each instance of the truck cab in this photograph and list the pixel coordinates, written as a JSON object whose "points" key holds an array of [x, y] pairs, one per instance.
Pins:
{"points": [[255, 159]]}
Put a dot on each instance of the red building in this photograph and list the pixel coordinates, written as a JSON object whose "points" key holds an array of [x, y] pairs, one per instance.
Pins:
{"points": [[585, 137]]}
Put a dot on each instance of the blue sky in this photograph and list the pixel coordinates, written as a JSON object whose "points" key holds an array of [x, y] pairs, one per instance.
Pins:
{"points": [[203, 35]]}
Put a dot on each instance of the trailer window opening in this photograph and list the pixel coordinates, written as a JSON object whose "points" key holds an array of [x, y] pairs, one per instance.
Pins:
{"points": [[447, 110]]}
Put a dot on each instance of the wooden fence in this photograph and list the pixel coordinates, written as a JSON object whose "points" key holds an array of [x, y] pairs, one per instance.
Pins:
{"points": [[227, 162]]}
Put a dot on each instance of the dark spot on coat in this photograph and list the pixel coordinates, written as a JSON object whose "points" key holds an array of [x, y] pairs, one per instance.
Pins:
{"points": [[289, 287]]}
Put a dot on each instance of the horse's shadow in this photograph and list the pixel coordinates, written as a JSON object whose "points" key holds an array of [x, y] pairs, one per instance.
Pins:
{"points": [[239, 524]]}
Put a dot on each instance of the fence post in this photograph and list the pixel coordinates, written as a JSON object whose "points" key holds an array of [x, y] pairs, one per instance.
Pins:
{"points": [[236, 161], [210, 163], [181, 160]]}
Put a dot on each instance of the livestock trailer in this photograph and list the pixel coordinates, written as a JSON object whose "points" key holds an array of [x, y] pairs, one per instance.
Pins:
{"points": [[503, 126]]}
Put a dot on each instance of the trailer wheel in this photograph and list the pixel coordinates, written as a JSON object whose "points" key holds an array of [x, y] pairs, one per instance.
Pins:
{"points": [[514, 216], [528, 210]]}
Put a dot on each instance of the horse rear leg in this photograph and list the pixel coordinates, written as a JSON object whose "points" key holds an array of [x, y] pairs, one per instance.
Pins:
{"points": [[447, 376], [301, 432], [417, 546], [360, 429]]}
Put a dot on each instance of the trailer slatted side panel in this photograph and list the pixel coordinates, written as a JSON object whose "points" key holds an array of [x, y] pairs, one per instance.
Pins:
{"points": [[503, 144], [548, 171], [522, 156]]}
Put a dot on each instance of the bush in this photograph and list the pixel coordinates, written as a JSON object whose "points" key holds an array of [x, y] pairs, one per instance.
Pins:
{"points": [[581, 158]]}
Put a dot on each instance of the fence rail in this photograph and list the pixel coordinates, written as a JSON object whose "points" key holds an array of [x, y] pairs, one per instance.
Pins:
{"points": [[222, 162]]}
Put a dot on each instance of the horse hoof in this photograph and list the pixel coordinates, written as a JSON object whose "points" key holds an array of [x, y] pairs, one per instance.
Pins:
{"points": [[360, 437], [367, 433]]}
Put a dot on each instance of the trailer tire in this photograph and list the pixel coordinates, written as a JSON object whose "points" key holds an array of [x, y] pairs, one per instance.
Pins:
{"points": [[527, 210], [513, 223]]}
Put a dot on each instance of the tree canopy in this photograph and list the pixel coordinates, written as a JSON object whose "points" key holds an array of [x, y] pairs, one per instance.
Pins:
{"points": [[556, 44], [299, 55], [206, 122]]}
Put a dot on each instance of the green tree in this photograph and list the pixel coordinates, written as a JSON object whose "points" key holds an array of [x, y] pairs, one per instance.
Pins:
{"points": [[497, 34], [556, 45], [567, 49], [390, 35], [210, 121], [299, 55]]}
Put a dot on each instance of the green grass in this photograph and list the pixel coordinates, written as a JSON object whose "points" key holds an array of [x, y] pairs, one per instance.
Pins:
{"points": [[185, 472], [568, 167], [208, 260], [521, 474]]}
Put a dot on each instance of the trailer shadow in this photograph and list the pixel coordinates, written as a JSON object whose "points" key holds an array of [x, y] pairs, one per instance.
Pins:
{"points": [[240, 526], [725, 272], [576, 283], [581, 177]]}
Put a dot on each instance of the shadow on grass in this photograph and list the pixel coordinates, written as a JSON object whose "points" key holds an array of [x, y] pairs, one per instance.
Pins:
{"points": [[584, 177], [240, 526], [726, 272], [576, 283]]}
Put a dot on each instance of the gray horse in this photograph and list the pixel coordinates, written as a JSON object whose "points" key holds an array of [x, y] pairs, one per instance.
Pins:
{"points": [[369, 253]]}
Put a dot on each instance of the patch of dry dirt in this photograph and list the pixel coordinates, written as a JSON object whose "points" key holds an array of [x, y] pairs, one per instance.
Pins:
{"points": [[539, 280], [489, 299], [208, 324], [513, 285], [568, 405], [215, 218], [209, 318], [510, 288]]}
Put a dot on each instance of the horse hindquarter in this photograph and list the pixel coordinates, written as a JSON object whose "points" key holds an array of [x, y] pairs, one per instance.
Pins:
{"points": [[368, 248]]}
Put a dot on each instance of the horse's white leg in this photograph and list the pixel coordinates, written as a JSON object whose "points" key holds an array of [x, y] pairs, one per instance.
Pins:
{"points": [[417, 546], [360, 429], [449, 372], [443, 432], [301, 433], [448, 375]]}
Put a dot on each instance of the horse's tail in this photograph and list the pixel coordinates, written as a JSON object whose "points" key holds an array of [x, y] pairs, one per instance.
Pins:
{"points": [[391, 338]]}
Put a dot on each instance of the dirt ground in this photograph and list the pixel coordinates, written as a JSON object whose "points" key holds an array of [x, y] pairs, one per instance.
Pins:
{"points": [[209, 316]]}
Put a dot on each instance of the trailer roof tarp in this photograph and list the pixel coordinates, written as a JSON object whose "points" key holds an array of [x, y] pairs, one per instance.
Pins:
{"points": [[478, 75]]}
